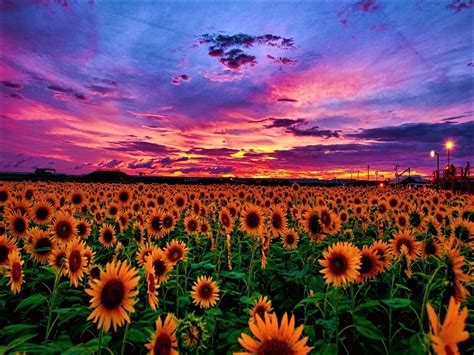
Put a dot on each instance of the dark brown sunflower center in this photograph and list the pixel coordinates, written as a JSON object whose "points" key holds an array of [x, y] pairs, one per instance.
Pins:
{"points": [[192, 225], [253, 220], [402, 221], [3, 253], [225, 220], [382, 208], [338, 265], [176, 254], [430, 248], [112, 294], [151, 282], [43, 246], [277, 221], [108, 236], [274, 347], [16, 271], [163, 344], [366, 264], [462, 233], [3, 196], [204, 228], [205, 291], [42, 213], [76, 199], [393, 202], [19, 225], [59, 262], [123, 196], [415, 219], [167, 222], [180, 202], [95, 272], [81, 228], [29, 194], [75, 261], [64, 229], [113, 211], [156, 223], [159, 267], [314, 224], [161, 200], [325, 218], [290, 239]]}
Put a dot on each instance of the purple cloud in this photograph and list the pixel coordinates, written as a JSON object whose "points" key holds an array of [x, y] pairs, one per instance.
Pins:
{"points": [[178, 78], [11, 85]]}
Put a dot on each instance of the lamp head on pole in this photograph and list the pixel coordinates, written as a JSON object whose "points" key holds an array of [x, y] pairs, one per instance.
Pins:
{"points": [[449, 145], [432, 153]]}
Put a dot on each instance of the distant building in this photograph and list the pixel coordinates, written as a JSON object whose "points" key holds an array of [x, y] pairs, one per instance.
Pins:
{"points": [[413, 181]]}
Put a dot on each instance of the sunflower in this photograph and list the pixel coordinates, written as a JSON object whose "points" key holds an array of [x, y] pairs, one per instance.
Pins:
{"points": [[21, 206], [193, 333], [112, 210], [290, 239], [41, 246], [7, 247], [124, 196], [204, 228], [329, 221], [431, 247], [402, 221], [445, 337], [113, 295], [342, 263], [63, 228], [155, 224], [75, 261], [57, 259], [370, 265], [383, 251], [83, 229], [260, 307], [157, 263], [456, 275], [180, 201], [273, 338], [205, 292], [77, 199], [175, 251], [107, 235], [18, 224], [4, 196], [463, 230], [15, 272], [3, 229], [41, 212], [251, 220], [191, 224], [278, 221], [311, 224], [405, 239], [143, 252], [226, 221], [138, 234], [152, 289], [169, 222], [164, 339]]}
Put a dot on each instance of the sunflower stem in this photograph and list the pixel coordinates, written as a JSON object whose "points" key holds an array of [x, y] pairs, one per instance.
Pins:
{"points": [[425, 296], [52, 304], [124, 340], [101, 335], [177, 291]]}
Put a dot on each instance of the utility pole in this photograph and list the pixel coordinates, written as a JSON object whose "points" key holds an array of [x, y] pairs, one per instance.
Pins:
{"points": [[396, 173], [368, 176], [357, 175]]}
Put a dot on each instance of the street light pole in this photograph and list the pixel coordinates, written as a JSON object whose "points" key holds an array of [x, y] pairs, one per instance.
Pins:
{"points": [[433, 153]]}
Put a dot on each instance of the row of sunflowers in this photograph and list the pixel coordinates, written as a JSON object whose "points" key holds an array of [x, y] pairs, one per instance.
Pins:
{"points": [[166, 269]]}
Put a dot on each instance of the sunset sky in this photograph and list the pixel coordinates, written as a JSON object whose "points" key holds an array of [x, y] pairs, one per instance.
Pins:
{"points": [[249, 89]]}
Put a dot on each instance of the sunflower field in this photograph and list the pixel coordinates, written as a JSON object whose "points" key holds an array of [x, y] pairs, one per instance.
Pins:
{"points": [[88, 268]]}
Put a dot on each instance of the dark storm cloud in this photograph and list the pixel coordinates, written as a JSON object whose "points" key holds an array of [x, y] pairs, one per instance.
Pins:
{"points": [[147, 164], [14, 95], [58, 88], [418, 132], [285, 99], [111, 163], [11, 85], [236, 58], [214, 152], [170, 161], [282, 60], [283, 122], [214, 170], [178, 78], [295, 127], [228, 48], [458, 5], [144, 147]]}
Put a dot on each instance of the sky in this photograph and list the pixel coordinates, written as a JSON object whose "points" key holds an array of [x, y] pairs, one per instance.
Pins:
{"points": [[314, 89]]}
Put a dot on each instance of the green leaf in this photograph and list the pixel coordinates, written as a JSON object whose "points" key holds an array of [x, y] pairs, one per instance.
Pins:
{"points": [[30, 302], [367, 328], [246, 300], [17, 328], [138, 336], [397, 303]]}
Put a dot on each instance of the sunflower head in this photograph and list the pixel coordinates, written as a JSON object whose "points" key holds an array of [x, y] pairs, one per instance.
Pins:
{"points": [[193, 333], [205, 292], [341, 264]]}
